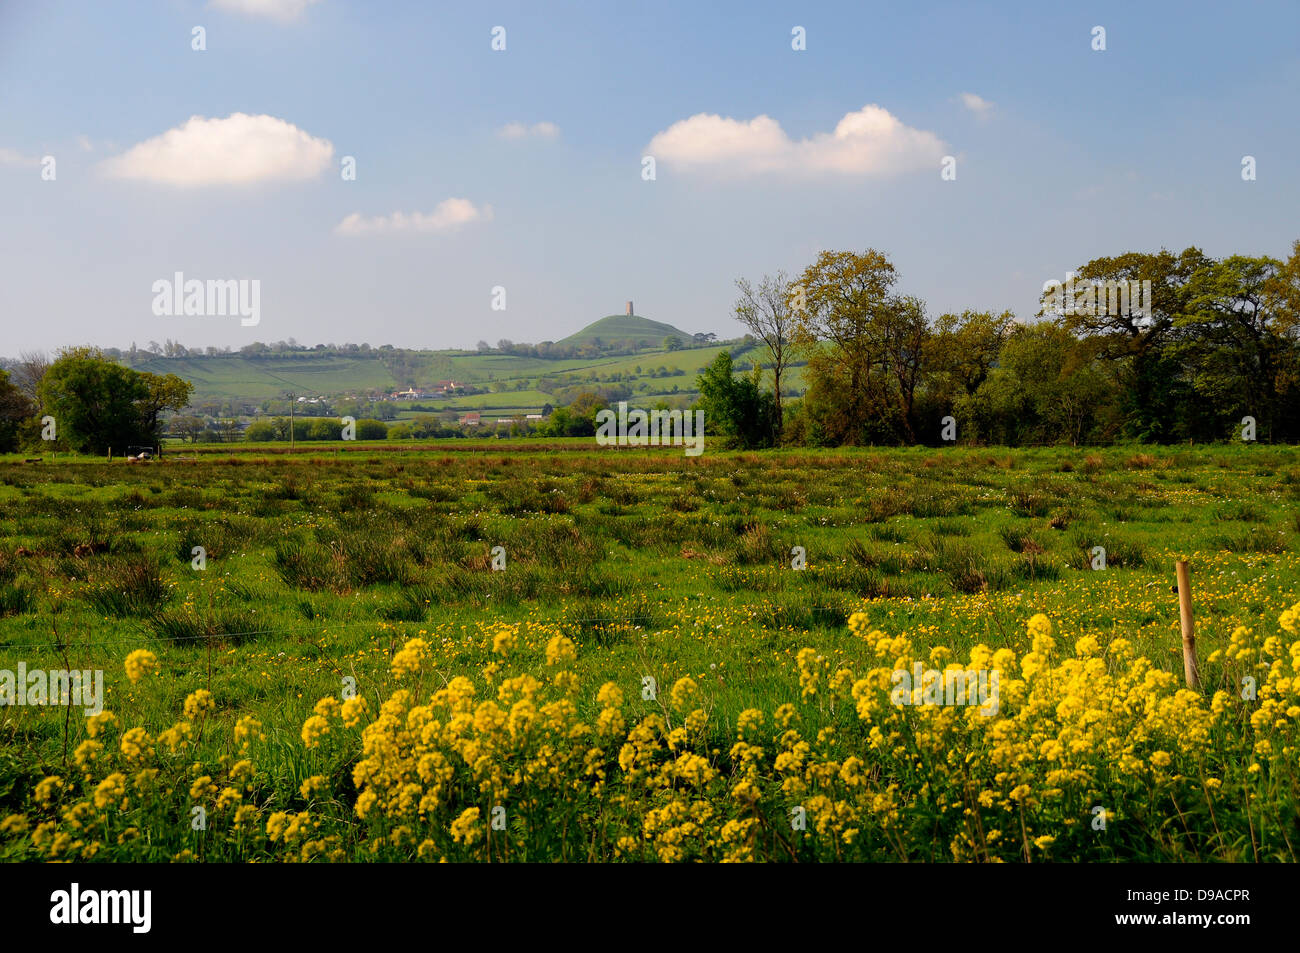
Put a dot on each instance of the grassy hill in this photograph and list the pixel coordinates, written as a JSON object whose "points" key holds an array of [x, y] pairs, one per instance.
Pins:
{"points": [[233, 376], [626, 330], [516, 382]]}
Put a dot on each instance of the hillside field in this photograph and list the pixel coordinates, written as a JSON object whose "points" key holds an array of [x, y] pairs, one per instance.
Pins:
{"points": [[516, 382], [645, 674]]}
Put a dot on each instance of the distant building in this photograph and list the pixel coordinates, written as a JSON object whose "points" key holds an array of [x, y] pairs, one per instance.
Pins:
{"points": [[471, 419], [532, 416], [629, 309]]}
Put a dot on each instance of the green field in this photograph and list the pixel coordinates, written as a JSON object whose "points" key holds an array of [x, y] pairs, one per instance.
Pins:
{"points": [[512, 382], [329, 572], [375, 371], [236, 377]]}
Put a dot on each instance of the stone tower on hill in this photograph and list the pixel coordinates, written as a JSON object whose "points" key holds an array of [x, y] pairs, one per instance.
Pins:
{"points": [[629, 308]]}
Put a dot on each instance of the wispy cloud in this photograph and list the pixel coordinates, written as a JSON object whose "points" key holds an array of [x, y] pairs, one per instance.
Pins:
{"points": [[14, 157], [869, 142], [977, 104], [449, 214], [237, 150], [282, 10], [538, 130]]}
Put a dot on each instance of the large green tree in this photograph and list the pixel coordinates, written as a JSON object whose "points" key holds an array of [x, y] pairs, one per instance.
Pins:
{"points": [[15, 410], [962, 350], [846, 297], [735, 406], [99, 404], [866, 349], [1239, 345], [1135, 341], [1045, 389]]}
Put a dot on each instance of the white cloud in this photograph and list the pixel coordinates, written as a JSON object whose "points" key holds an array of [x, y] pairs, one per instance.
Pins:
{"points": [[282, 10], [14, 157], [447, 215], [980, 106], [237, 150], [869, 142], [519, 130]]}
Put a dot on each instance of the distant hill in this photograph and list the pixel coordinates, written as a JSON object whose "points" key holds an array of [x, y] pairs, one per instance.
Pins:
{"points": [[626, 331], [618, 353]]}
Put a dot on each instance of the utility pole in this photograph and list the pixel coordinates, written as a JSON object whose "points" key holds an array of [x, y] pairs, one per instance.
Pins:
{"points": [[291, 423]]}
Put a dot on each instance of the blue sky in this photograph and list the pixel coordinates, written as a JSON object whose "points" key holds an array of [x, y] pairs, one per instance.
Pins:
{"points": [[1066, 154]]}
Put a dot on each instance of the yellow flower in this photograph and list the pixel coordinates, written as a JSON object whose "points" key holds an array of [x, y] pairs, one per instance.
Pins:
{"points": [[751, 719], [202, 788], [503, 642], [276, 825], [567, 682], [110, 791], [47, 789], [144, 780], [410, 659], [175, 736], [313, 729], [97, 724], [684, 693], [86, 753], [747, 790], [135, 744], [1040, 626], [560, 651], [198, 704], [140, 663], [313, 784], [248, 729], [352, 711], [465, 829]]}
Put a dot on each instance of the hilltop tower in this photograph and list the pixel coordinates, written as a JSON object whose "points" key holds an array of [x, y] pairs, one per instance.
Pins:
{"points": [[629, 309]]}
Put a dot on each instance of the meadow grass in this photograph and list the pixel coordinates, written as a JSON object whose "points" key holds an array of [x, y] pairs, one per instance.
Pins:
{"points": [[321, 566]]}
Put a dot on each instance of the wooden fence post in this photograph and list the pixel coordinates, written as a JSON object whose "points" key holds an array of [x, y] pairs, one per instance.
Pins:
{"points": [[1189, 629]]}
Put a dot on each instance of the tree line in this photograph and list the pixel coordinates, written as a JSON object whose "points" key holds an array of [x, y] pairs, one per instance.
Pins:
{"points": [[87, 402], [1153, 347]]}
